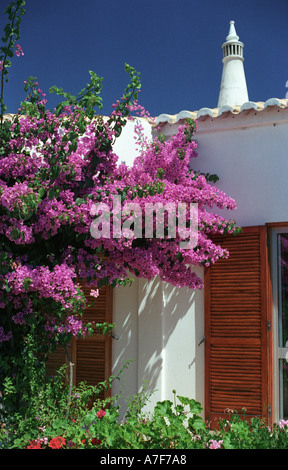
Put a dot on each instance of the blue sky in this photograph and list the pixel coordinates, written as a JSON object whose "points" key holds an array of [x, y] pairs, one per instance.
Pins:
{"points": [[175, 45]]}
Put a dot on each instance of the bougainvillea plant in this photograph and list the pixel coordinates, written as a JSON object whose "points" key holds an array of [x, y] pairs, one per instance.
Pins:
{"points": [[56, 166]]}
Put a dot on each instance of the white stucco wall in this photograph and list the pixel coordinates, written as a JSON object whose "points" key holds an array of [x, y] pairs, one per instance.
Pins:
{"points": [[249, 153], [159, 328], [125, 146]]}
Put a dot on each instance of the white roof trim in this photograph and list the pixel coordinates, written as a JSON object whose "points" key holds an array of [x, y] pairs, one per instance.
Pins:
{"points": [[204, 112], [224, 111], [248, 105], [272, 102]]}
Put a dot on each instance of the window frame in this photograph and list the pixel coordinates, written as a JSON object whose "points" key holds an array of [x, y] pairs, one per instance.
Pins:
{"points": [[276, 229]]}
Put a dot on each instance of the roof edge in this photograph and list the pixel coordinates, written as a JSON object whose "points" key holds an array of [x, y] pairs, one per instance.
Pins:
{"points": [[223, 111]]}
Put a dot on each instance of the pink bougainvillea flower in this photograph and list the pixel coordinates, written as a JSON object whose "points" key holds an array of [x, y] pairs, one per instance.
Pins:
{"points": [[19, 51], [51, 177], [94, 293]]}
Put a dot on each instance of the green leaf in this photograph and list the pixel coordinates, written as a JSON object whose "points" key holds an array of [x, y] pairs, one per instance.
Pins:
{"points": [[15, 233], [196, 423], [60, 423], [89, 418], [164, 408], [80, 201], [41, 192], [26, 283], [53, 192], [195, 406]]}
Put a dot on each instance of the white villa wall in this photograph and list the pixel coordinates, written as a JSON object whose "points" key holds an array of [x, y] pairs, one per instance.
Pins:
{"points": [[249, 153], [125, 146]]}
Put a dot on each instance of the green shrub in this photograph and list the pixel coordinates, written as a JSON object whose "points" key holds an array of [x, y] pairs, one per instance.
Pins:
{"points": [[56, 417], [241, 433]]}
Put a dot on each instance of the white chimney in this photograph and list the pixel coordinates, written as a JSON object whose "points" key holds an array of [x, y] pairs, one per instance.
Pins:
{"points": [[233, 90]]}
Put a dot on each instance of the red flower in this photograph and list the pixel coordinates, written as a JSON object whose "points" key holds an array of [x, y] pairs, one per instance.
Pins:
{"points": [[101, 413], [96, 442], [34, 445], [57, 442]]}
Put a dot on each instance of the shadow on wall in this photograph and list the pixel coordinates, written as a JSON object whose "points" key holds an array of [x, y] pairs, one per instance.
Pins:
{"points": [[159, 328]]}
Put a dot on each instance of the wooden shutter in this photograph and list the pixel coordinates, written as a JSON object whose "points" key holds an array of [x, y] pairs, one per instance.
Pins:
{"points": [[237, 328], [91, 356]]}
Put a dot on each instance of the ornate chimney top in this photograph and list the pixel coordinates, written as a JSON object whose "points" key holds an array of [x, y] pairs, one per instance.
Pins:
{"points": [[233, 90]]}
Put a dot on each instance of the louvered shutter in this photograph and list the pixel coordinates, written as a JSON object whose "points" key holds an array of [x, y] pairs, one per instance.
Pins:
{"points": [[237, 328], [91, 356]]}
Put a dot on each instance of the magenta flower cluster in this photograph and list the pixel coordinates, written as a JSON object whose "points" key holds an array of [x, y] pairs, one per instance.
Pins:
{"points": [[55, 167]]}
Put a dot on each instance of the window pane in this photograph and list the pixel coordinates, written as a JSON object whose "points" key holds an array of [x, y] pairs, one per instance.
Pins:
{"points": [[283, 288], [283, 388]]}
